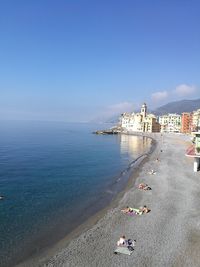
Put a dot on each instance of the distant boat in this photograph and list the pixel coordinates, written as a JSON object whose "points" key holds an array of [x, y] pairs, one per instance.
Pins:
{"points": [[2, 197]]}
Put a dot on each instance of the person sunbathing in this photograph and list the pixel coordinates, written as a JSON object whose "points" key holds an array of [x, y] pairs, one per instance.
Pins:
{"points": [[144, 209], [127, 210], [144, 186], [121, 241], [125, 242], [131, 211]]}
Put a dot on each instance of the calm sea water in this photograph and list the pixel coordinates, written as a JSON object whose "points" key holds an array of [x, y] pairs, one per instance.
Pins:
{"points": [[53, 177]]}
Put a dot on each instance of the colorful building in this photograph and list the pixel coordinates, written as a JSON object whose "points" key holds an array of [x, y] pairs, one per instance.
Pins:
{"points": [[170, 123], [139, 122], [150, 124], [186, 122], [195, 124]]}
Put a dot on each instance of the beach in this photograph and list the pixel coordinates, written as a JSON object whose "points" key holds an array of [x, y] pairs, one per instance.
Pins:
{"points": [[168, 235]]}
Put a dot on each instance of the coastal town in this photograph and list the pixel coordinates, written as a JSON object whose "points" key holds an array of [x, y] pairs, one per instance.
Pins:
{"points": [[186, 122], [100, 133], [143, 122]]}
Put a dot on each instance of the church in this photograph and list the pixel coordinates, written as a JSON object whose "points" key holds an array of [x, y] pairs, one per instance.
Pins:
{"points": [[139, 122]]}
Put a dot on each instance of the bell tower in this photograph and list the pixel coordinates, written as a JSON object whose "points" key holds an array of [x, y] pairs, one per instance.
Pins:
{"points": [[144, 110]]}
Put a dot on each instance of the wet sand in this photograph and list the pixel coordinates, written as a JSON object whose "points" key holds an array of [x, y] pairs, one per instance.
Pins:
{"points": [[167, 236]]}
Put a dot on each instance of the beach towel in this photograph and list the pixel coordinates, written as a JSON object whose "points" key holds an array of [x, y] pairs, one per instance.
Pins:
{"points": [[139, 212], [124, 250]]}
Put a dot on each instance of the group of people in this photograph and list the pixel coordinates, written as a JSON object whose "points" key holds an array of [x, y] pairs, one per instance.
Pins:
{"points": [[131, 211], [140, 211], [128, 210], [125, 242]]}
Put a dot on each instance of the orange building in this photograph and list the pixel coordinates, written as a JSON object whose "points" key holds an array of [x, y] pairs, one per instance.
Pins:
{"points": [[186, 121]]}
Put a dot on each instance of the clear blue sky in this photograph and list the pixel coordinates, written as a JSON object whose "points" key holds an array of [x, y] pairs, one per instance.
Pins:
{"points": [[78, 60]]}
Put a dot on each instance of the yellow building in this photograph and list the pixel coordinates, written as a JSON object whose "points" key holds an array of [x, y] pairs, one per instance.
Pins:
{"points": [[139, 122], [150, 124]]}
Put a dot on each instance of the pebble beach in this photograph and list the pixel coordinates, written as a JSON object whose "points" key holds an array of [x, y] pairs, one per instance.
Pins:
{"points": [[169, 235]]}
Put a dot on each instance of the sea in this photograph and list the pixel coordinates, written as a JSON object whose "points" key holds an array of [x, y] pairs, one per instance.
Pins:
{"points": [[54, 176]]}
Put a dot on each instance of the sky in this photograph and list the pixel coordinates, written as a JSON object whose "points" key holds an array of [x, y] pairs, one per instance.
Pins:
{"points": [[87, 60]]}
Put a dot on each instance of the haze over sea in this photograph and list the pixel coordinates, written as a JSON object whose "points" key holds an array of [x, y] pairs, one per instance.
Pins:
{"points": [[54, 176]]}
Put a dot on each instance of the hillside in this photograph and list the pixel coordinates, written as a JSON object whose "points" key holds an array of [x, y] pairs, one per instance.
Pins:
{"points": [[172, 107], [178, 107]]}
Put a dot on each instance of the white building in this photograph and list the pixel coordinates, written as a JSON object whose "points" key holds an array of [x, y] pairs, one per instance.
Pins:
{"points": [[139, 122], [131, 122], [170, 123], [196, 120]]}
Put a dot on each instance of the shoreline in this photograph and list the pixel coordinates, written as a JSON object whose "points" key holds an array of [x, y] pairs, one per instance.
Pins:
{"points": [[134, 168], [167, 236]]}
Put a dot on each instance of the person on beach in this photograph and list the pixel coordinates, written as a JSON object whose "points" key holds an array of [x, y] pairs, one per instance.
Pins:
{"points": [[131, 211], [121, 241], [127, 210], [144, 186], [126, 242], [144, 209]]}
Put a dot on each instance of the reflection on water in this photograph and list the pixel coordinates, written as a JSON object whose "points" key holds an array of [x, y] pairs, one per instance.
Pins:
{"points": [[133, 145]]}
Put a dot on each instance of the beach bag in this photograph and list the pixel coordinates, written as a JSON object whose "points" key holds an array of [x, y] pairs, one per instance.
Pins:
{"points": [[130, 242], [130, 248]]}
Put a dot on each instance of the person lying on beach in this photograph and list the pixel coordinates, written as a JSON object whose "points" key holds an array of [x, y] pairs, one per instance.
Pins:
{"points": [[157, 160], [123, 242], [127, 210], [131, 211], [144, 186], [144, 209], [152, 172]]}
